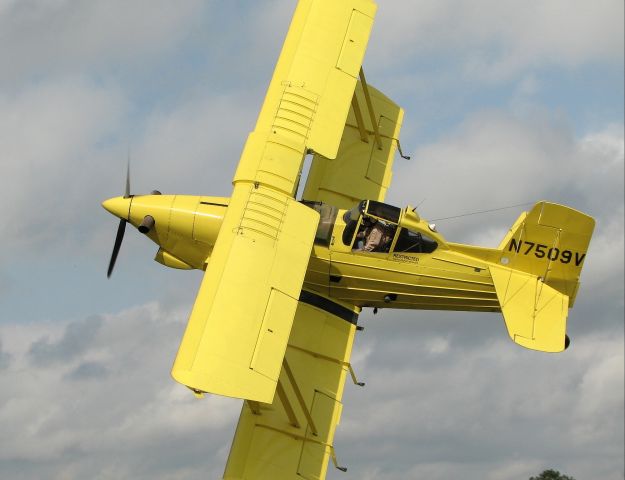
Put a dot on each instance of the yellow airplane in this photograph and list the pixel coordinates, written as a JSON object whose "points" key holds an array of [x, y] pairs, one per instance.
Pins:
{"points": [[285, 280]]}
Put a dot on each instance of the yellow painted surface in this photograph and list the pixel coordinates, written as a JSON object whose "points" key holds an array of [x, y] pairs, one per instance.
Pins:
{"points": [[310, 93], [550, 241], [237, 332], [532, 278], [167, 259], [534, 313], [360, 170], [186, 226], [266, 445]]}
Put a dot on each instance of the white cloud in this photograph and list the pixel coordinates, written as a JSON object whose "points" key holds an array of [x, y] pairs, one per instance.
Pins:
{"points": [[62, 35], [495, 40], [489, 410], [193, 147], [445, 409], [63, 154], [49, 143]]}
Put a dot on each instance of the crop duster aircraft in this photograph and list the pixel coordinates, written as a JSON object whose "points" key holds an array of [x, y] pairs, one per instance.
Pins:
{"points": [[285, 280]]}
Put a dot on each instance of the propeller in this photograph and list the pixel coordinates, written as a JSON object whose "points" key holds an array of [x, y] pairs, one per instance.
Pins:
{"points": [[120, 229]]}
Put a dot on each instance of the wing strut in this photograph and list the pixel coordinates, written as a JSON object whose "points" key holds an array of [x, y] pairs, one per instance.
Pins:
{"points": [[365, 90], [254, 406], [333, 360], [290, 412], [300, 398], [317, 355], [287, 405], [307, 439], [364, 136]]}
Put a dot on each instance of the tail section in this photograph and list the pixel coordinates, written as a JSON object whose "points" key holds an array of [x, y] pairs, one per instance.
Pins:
{"points": [[537, 278], [550, 241]]}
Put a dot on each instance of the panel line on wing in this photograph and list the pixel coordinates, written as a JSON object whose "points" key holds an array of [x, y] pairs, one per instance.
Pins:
{"points": [[264, 212], [285, 109], [299, 101], [262, 218]]}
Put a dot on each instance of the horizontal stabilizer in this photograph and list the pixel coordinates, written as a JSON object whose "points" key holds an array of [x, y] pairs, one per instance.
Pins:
{"points": [[535, 313]]}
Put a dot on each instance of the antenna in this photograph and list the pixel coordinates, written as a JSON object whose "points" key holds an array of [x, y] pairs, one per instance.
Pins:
{"points": [[482, 211]]}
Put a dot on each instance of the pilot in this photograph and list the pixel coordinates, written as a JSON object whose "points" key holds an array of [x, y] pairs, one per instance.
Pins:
{"points": [[363, 233], [376, 236]]}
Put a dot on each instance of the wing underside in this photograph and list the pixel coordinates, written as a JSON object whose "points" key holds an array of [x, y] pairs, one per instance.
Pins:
{"points": [[363, 167], [292, 437]]}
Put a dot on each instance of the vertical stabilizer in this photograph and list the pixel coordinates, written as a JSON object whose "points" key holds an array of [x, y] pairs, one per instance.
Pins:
{"points": [[537, 279], [550, 241]]}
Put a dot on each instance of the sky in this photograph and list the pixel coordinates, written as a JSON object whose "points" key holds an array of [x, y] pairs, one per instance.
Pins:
{"points": [[507, 103]]}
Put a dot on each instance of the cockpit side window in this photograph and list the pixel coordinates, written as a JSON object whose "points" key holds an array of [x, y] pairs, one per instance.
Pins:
{"points": [[327, 217], [414, 242], [374, 236], [348, 233], [351, 219]]}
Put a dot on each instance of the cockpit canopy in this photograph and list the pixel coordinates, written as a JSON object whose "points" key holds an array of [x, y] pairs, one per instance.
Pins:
{"points": [[372, 208], [404, 231]]}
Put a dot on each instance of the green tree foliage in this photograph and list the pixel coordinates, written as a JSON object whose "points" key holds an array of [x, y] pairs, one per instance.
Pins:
{"points": [[551, 475]]}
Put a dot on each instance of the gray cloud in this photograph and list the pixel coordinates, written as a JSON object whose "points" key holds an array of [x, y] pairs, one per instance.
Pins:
{"points": [[437, 401], [111, 397], [75, 36], [493, 41], [479, 408], [5, 358], [88, 371], [77, 337], [495, 158], [50, 140]]}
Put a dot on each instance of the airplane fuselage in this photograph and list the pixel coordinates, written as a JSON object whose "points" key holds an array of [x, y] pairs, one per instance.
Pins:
{"points": [[431, 281], [446, 278]]}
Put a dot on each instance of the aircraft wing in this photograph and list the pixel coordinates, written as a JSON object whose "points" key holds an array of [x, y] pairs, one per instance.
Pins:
{"points": [[363, 166], [278, 441], [237, 333]]}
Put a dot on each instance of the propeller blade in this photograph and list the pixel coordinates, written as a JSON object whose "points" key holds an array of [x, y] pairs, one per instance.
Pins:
{"points": [[118, 243], [127, 191]]}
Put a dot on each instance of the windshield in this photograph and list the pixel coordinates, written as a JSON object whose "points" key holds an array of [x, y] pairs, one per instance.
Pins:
{"points": [[384, 211]]}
